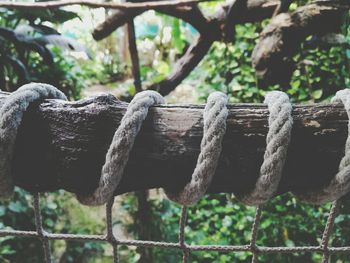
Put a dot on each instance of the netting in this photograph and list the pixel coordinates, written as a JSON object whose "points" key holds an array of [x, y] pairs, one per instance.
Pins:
{"points": [[45, 237]]}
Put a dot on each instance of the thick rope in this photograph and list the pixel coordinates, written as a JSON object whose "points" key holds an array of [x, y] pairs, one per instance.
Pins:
{"points": [[215, 114], [340, 184], [120, 148], [277, 142], [214, 128], [11, 114]]}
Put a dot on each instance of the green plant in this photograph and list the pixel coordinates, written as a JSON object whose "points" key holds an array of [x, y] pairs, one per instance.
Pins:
{"points": [[26, 53], [322, 69], [60, 214]]}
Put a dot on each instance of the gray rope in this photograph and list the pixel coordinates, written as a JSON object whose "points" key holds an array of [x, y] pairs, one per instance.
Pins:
{"points": [[340, 184], [120, 148], [11, 114], [277, 142], [214, 128]]}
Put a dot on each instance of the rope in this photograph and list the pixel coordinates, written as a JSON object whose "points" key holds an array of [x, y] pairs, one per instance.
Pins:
{"points": [[11, 114], [340, 184], [121, 145], [214, 128], [214, 118], [277, 142]]}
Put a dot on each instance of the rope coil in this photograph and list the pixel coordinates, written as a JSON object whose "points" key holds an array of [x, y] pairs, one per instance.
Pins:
{"points": [[340, 184], [214, 128], [11, 114], [277, 142], [120, 148]]}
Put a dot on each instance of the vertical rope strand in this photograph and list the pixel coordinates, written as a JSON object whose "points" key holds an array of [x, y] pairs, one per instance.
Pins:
{"points": [[328, 231], [39, 228], [110, 235], [182, 225], [255, 228]]}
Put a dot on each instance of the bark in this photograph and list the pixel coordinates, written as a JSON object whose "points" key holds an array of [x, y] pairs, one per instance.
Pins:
{"points": [[62, 145]]}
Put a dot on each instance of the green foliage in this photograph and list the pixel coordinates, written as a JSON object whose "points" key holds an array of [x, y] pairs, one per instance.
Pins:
{"points": [[60, 216], [64, 73], [320, 70], [26, 56], [215, 220]]}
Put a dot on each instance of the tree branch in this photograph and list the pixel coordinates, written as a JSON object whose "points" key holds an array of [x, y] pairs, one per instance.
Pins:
{"points": [[190, 14], [183, 67], [113, 22], [134, 55], [281, 39], [97, 4]]}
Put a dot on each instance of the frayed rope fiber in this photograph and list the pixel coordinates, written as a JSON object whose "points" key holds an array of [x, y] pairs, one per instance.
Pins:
{"points": [[214, 128]]}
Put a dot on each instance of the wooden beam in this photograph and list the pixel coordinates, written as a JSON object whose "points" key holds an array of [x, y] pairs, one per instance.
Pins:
{"points": [[63, 145]]}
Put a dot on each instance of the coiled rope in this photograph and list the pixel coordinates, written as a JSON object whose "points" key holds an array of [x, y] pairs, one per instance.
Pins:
{"points": [[340, 184], [11, 114], [120, 148], [277, 142], [214, 118], [214, 129], [124, 137]]}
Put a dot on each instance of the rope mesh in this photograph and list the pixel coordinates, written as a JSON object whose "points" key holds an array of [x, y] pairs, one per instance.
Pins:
{"points": [[45, 237]]}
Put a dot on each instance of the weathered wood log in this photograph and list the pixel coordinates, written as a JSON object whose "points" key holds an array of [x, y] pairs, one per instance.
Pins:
{"points": [[63, 144]]}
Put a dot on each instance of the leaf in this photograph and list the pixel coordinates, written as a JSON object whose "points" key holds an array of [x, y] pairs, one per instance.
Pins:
{"points": [[317, 94], [26, 29], [56, 16], [26, 43], [63, 42], [16, 207], [20, 69]]}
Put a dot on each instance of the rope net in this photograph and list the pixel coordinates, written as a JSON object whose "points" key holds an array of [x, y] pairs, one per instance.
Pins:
{"points": [[45, 237]]}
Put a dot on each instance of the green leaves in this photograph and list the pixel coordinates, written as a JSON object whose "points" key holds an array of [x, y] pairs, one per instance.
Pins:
{"points": [[55, 16], [317, 94]]}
